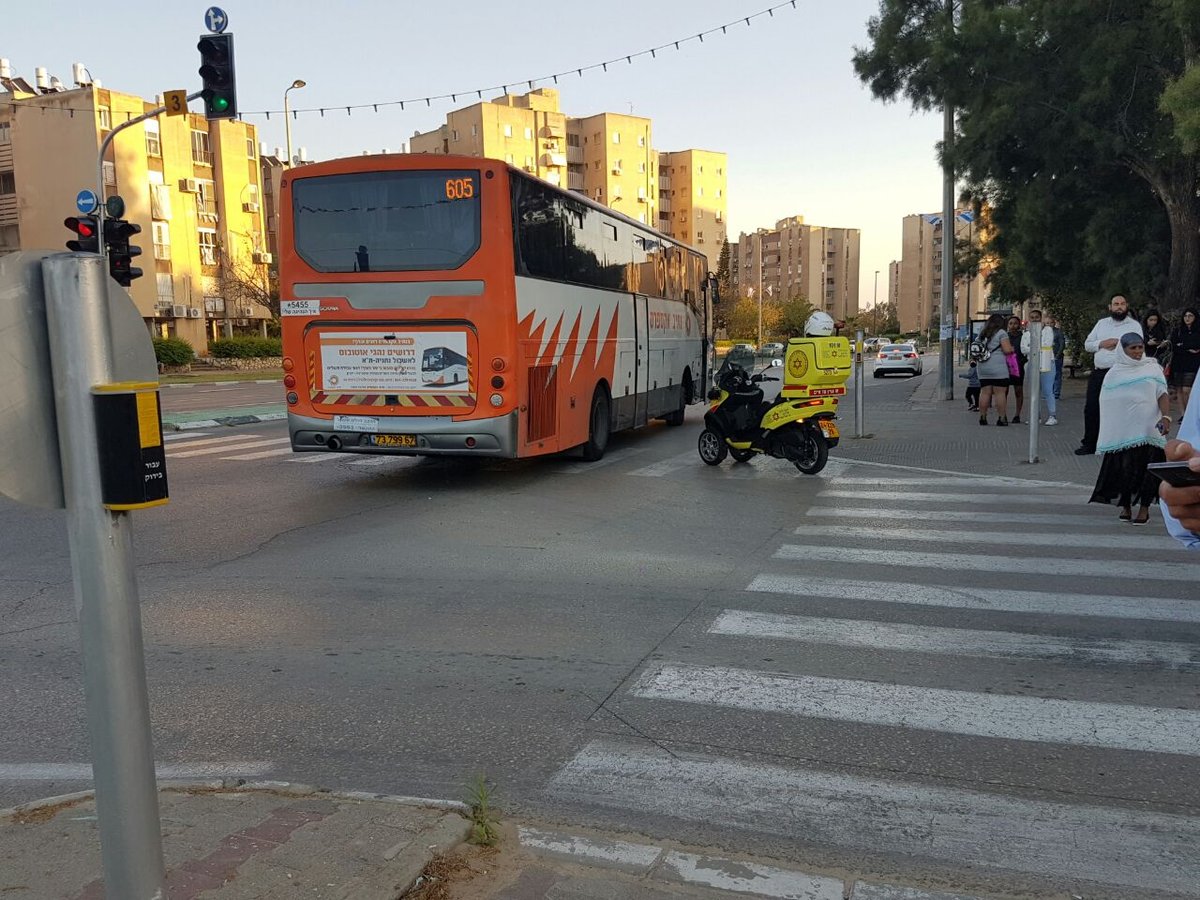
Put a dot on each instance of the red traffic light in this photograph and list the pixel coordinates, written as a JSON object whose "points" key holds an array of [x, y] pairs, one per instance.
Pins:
{"points": [[88, 231], [85, 227]]}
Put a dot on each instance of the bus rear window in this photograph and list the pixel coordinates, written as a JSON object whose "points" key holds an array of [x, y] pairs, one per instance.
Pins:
{"points": [[387, 221]]}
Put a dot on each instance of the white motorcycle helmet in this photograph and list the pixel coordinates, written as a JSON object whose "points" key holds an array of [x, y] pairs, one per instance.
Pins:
{"points": [[819, 324]]}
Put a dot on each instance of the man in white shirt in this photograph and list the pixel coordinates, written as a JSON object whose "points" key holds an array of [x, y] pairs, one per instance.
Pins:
{"points": [[1181, 505], [1103, 341], [1043, 361]]}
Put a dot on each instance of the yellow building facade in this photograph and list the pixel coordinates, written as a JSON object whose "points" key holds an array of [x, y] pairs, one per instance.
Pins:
{"points": [[918, 289], [608, 157], [192, 185]]}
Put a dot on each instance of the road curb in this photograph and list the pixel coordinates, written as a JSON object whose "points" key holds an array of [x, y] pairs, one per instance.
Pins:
{"points": [[294, 789], [224, 420], [188, 384]]}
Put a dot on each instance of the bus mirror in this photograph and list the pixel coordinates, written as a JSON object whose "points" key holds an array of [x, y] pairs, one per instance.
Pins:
{"points": [[713, 290]]}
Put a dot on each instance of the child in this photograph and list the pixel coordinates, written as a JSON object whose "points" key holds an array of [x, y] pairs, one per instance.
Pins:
{"points": [[972, 377]]}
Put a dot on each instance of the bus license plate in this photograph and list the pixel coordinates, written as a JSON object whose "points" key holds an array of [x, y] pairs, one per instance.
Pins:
{"points": [[394, 440], [828, 429]]}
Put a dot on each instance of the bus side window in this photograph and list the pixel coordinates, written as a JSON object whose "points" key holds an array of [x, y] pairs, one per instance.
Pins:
{"points": [[539, 229]]}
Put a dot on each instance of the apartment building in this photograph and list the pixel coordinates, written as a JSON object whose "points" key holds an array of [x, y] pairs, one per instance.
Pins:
{"points": [[193, 186], [609, 157], [794, 259], [918, 288]]}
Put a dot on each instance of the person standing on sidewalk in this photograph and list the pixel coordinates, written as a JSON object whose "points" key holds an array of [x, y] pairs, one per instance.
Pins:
{"points": [[1185, 355], [994, 378], [1044, 361], [1103, 341], [1015, 335], [1060, 349], [972, 376], [1181, 505], [1134, 421], [1158, 340]]}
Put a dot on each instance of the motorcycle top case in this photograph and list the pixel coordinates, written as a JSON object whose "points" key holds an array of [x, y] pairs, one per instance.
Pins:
{"points": [[816, 367]]}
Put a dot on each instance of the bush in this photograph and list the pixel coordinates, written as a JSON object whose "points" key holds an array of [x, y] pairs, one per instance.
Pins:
{"points": [[245, 347], [173, 351]]}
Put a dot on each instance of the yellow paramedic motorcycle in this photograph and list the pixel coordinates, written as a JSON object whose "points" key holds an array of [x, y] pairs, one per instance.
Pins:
{"points": [[798, 426]]}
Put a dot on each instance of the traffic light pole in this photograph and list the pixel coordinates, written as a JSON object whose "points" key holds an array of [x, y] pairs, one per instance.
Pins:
{"points": [[82, 355], [104, 145]]}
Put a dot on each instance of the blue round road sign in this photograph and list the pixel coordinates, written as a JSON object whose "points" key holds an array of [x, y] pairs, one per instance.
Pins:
{"points": [[215, 19], [87, 202]]}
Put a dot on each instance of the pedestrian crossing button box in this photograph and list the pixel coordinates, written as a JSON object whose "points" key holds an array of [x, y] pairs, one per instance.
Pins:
{"points": [[133, 462]]}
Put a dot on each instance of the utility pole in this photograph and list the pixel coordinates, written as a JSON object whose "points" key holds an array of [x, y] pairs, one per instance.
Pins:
{"points": [[946, 368], [875, 304]]}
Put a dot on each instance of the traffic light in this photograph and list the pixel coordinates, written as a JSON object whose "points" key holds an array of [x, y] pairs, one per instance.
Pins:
{"points": [[88, 234], [216, 70], [117, 233]]}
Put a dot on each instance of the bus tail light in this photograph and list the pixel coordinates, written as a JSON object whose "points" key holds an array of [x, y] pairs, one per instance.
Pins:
{"points": [[497, 381], [498, 364], [289, 381], [293, 398], [497, 400], [288, 364]]}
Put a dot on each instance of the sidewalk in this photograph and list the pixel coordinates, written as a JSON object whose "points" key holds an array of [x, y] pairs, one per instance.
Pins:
{"points": [[925, 432], [224, 842]]}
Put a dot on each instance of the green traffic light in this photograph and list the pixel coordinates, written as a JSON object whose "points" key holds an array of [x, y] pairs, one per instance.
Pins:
{"points": [[220, 104]]}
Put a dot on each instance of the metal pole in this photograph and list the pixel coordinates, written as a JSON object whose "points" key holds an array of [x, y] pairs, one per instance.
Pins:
{"points": [[287, 126], [859, 424], [946, 369], [106, 600], [1035, 389]]}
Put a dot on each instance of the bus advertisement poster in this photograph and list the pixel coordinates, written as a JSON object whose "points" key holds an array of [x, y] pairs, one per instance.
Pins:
{"points": [[394, 361]]}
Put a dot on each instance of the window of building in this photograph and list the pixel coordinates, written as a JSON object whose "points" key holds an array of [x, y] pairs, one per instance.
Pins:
{"points": [[529, 162], [641, 193], [251, 152], [720, 193], [166, 289], [700, 191], [208, 246], [153, 138], [642, 168], [572, 140], [642, 218], [162, 240], [529, 134], [206, 200], [596, 165], [616, 137], [598, 137], [599, 194], [110, 173], [5, 133], [641, 140], [8, 183], [508, 131], [454, 134], [201, 152], [720, 171], [474, 130], [105, 118]]}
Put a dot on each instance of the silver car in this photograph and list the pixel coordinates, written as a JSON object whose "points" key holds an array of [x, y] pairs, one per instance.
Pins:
{"points": [[772, 349], [898, 358]]}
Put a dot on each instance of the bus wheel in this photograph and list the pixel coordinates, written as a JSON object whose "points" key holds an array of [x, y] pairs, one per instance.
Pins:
{"points": [[676, 418], [598, 426]]}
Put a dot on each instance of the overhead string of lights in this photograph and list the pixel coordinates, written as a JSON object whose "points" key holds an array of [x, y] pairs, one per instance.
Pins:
{"points": [[524, 83]]}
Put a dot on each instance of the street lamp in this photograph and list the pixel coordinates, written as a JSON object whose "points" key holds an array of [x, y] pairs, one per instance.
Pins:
{"points": [[287, 118], [875, 304]]}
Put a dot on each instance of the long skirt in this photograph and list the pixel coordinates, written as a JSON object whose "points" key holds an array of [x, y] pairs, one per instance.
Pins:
{"points": [[1123, 477]]}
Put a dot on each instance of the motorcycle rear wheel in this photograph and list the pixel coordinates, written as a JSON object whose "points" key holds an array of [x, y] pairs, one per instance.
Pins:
{"points": [[811, 451], [712, 447]]}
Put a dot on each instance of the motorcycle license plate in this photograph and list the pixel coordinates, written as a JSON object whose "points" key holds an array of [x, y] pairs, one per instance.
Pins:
{"points": [[829, 429]]}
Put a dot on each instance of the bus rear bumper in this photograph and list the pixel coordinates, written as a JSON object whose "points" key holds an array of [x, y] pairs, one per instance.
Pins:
{"points": [[495, 437]]}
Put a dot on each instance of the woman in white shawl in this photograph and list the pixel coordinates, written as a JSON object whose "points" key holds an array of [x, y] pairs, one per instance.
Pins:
{"points": [[1133, 430]]}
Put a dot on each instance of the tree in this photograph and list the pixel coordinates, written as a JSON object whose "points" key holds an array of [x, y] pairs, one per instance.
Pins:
{"points": [[244, 283], [1072, 90], [792, 316]]}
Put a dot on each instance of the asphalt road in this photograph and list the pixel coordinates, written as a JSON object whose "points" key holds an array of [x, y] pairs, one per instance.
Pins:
{"points": [[730, 656]]}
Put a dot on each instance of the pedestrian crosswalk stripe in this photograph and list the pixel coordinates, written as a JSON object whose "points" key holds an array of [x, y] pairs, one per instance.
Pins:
{"points": [[964, 481], [969, 597], [906, 638], [170, 437], [1127, 539], [213, 441], [1135, 848], [228, 448], [1115, 726], [1135, 570], [1096, 517], [262, 454], [927, 497], [666, 466]]}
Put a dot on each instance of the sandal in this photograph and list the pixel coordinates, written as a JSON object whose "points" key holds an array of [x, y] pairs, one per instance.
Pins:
{"points": [[1126, 514], [1142, 520], [1002, 421]]}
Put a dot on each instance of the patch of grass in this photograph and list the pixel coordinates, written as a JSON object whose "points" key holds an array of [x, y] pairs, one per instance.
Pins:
{"points": [[485, 826]]}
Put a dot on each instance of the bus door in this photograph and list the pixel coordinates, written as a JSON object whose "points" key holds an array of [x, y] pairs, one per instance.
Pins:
{"points": [[641, 366]]}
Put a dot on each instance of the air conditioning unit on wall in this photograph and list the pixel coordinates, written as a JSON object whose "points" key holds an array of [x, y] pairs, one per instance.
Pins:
{"points": [[245, 310], [250, 207], [263, 259], [195, 313], [189, 185], [179, 312]]}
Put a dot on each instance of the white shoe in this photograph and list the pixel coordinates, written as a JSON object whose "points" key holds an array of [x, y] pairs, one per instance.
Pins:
{"points": [[1052, 421]]}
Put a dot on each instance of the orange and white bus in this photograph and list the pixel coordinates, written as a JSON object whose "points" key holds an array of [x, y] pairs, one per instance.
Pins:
{"points": [[453, 305]]}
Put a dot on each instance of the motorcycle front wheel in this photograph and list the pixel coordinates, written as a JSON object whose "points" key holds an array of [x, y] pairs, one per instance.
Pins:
{"points": [[810, 451], [712, 447]]}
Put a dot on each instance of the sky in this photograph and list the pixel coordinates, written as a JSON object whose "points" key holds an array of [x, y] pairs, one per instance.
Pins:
{"points": [[803, 135]]}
